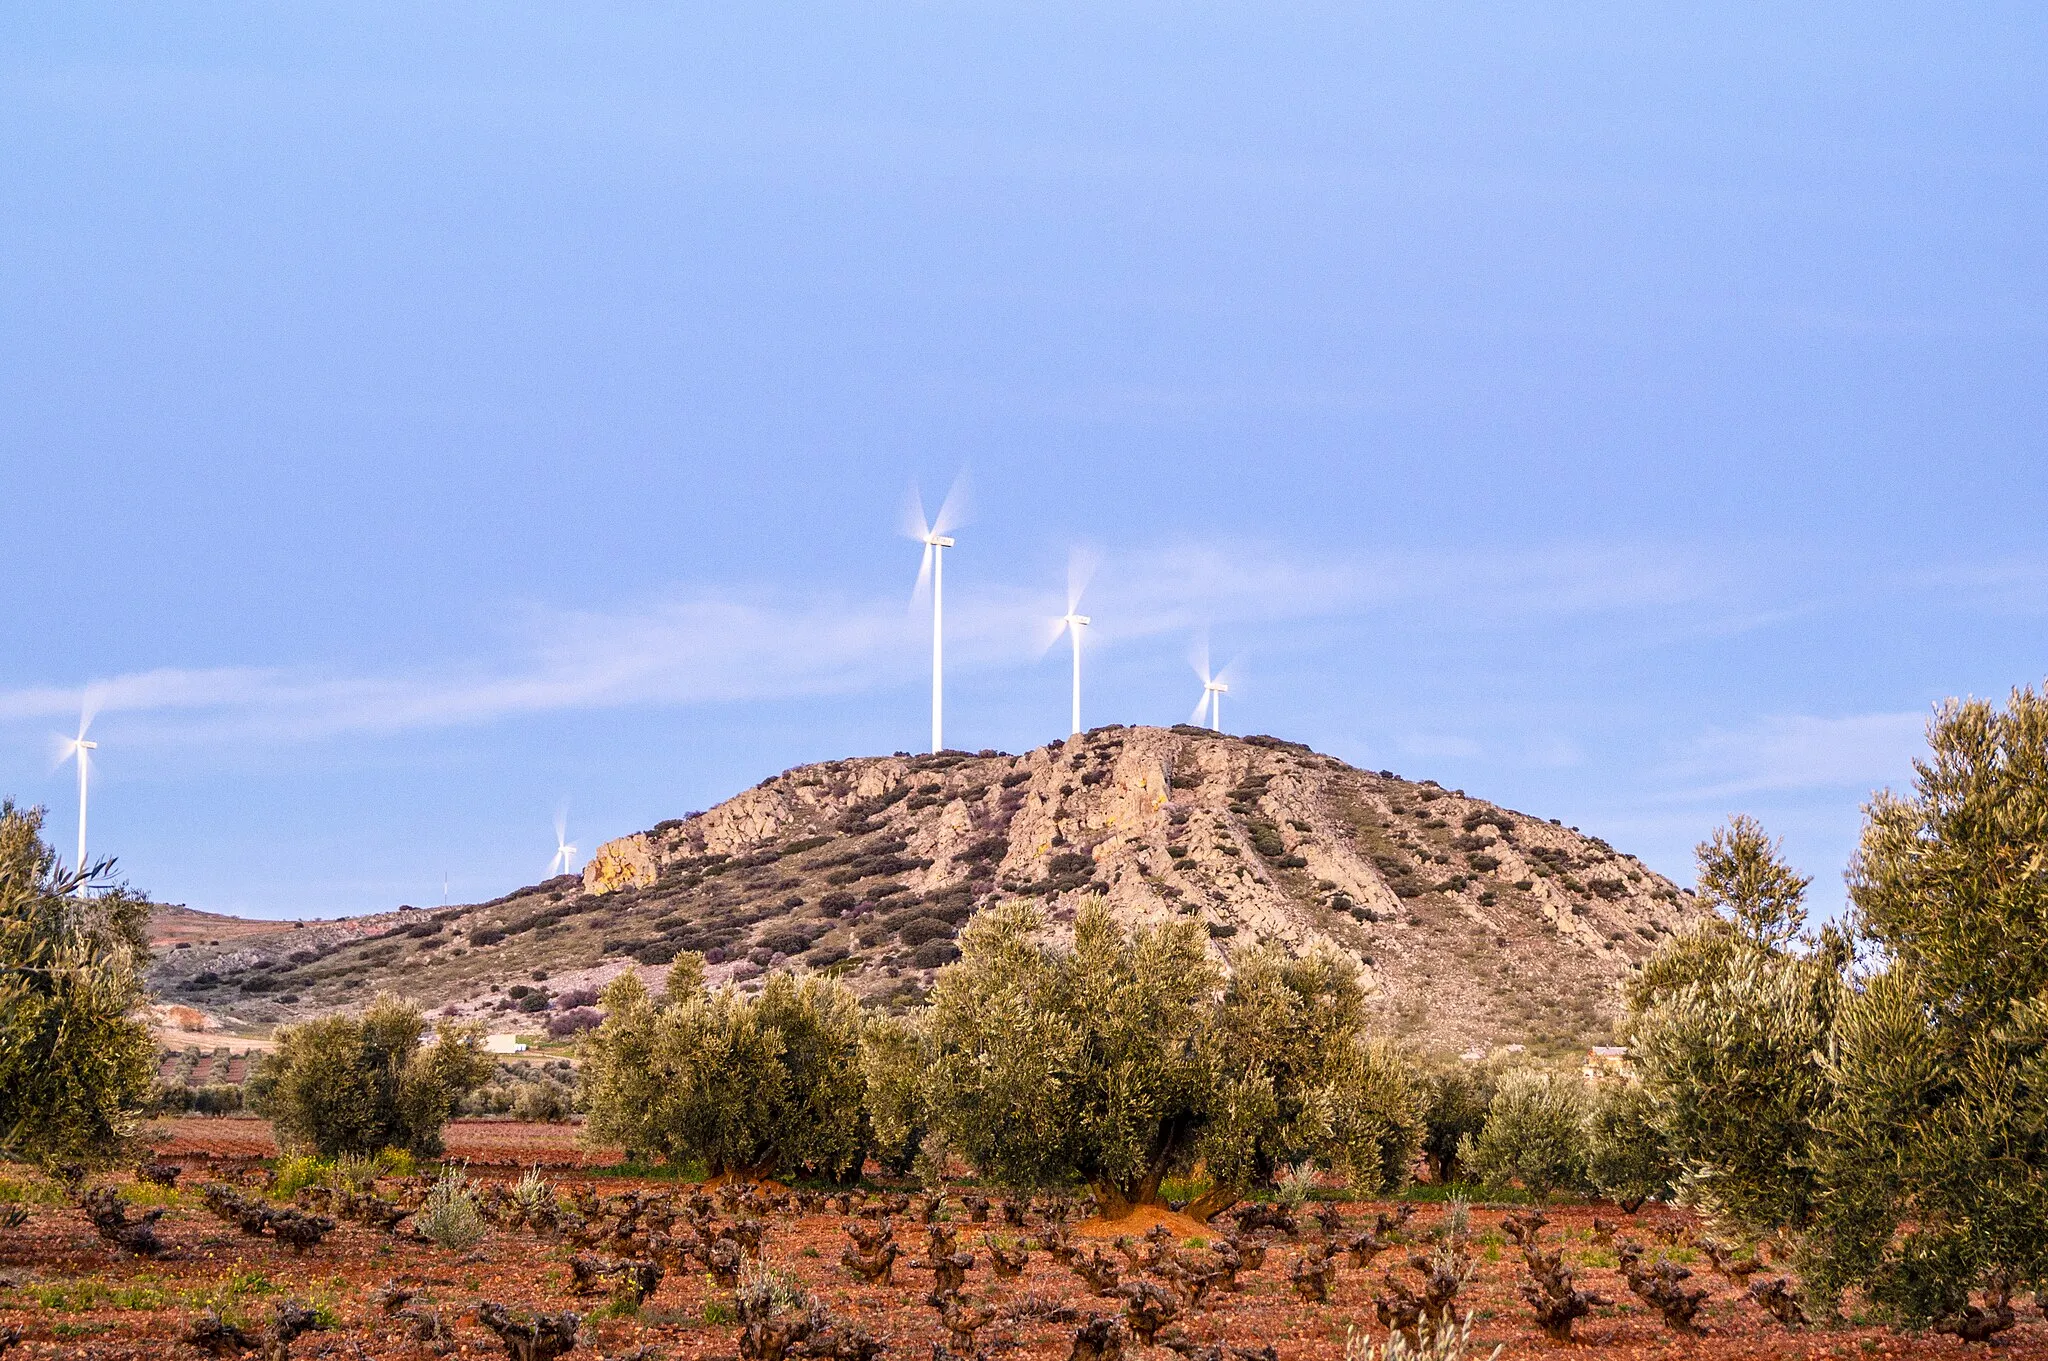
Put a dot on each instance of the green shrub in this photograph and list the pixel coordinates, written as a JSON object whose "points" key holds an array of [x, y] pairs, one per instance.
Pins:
{"points": [[449, 1215], [1731, 1023], [1126, 1059], [542, 1102], [893, 1057], [348, 1084], [762, 1085], [1455, 1096], [1935, 1140], [1626, 1158], [76, 1062], [1535, 1134]]}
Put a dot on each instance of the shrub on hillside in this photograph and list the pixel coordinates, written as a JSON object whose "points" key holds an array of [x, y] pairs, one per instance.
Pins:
{"points": [[1535, 1134], [575, 1022], [358, 1084], [754, 1085], [75, 1061], [1125, 1059]]}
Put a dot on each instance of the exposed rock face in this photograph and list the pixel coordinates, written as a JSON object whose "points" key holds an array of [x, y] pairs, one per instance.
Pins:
{"points": [[1473, 924]]}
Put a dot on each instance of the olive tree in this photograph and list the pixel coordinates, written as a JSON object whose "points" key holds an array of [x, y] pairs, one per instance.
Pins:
{"points": [[359, 1084], [75, 1055], [1534, 1136], [1626, 1157], [1455, 1095], [1129, 1057], [751, 1086], [1730, 1025], [1936, 1140]]}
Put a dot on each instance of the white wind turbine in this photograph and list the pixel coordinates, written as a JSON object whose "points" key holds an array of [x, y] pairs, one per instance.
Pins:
{"points": [[79, 749], [565, 851], [933, 535], [1080, 567], [1214, 687]]}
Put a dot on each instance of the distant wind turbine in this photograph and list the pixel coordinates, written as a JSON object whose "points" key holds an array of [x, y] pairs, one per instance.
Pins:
{"points": [[933, 535], [80, 750], [565, 853], [1214, 687], [1080, 567]]}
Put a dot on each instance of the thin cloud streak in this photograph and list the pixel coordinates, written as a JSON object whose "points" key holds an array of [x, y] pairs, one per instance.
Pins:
{"points": [[1800, 752], [726, 646]]}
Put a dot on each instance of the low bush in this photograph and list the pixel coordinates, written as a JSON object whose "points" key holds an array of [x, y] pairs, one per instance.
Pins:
{"points": [[448, 1216]]}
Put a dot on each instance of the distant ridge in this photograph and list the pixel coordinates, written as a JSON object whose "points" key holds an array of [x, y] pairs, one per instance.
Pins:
{"points": [[1474, 924]]}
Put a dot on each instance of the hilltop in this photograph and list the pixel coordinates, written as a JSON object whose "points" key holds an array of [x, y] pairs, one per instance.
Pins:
{"points": [[1474, 924]]}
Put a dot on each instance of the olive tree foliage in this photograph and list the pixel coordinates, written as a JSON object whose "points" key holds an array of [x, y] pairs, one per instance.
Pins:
{"points": [[1455, 1095], [1301, 1078], [75, 1056], [748, 1085], [1936, 1141], [359, 1084], [1128, 1058], [893, 1052], [1626, 1157], [1730, 1024], [1535, 1134]]}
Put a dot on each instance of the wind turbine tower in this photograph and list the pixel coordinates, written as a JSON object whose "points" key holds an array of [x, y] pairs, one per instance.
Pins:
{"points": [[932, 534], [79, 749], [1074, 623]]}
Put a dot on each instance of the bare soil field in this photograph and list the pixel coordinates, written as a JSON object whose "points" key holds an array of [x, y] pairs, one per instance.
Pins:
{"points": [[482, 1143], [72, 1295]]}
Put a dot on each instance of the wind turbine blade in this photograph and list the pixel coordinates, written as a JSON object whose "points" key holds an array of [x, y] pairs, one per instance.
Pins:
{"points": [[561, 825], [89, 708], [923, 590], [1081, 565], [1050, 634], [1198, 658], [915, 525], [1201, 713], [953, 510]]}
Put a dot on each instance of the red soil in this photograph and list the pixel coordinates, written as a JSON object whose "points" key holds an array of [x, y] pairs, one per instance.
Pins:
{"points": [[54, 1263]]}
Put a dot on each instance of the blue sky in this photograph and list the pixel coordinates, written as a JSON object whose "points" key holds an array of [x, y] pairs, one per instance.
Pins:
{"points": [[411, 419]]}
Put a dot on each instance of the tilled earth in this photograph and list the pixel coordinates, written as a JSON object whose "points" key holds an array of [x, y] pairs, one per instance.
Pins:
{"points": [[71, 1295]]}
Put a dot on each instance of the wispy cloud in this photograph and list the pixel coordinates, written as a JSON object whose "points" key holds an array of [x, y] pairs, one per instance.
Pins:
{"points": [[1800, 752], [712, 646]]}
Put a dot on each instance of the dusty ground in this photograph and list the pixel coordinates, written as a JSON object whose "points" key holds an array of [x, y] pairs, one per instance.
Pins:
{"points": [[72, 1296], [481, 1143]]}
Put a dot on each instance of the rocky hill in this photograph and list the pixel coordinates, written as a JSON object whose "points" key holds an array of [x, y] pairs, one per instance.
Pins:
{"points": [[1475, 925]]}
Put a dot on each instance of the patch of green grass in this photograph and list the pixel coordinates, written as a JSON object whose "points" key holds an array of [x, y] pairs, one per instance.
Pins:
{"points": [[1435, 1193], [14, 1191], [720, 1314]]}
